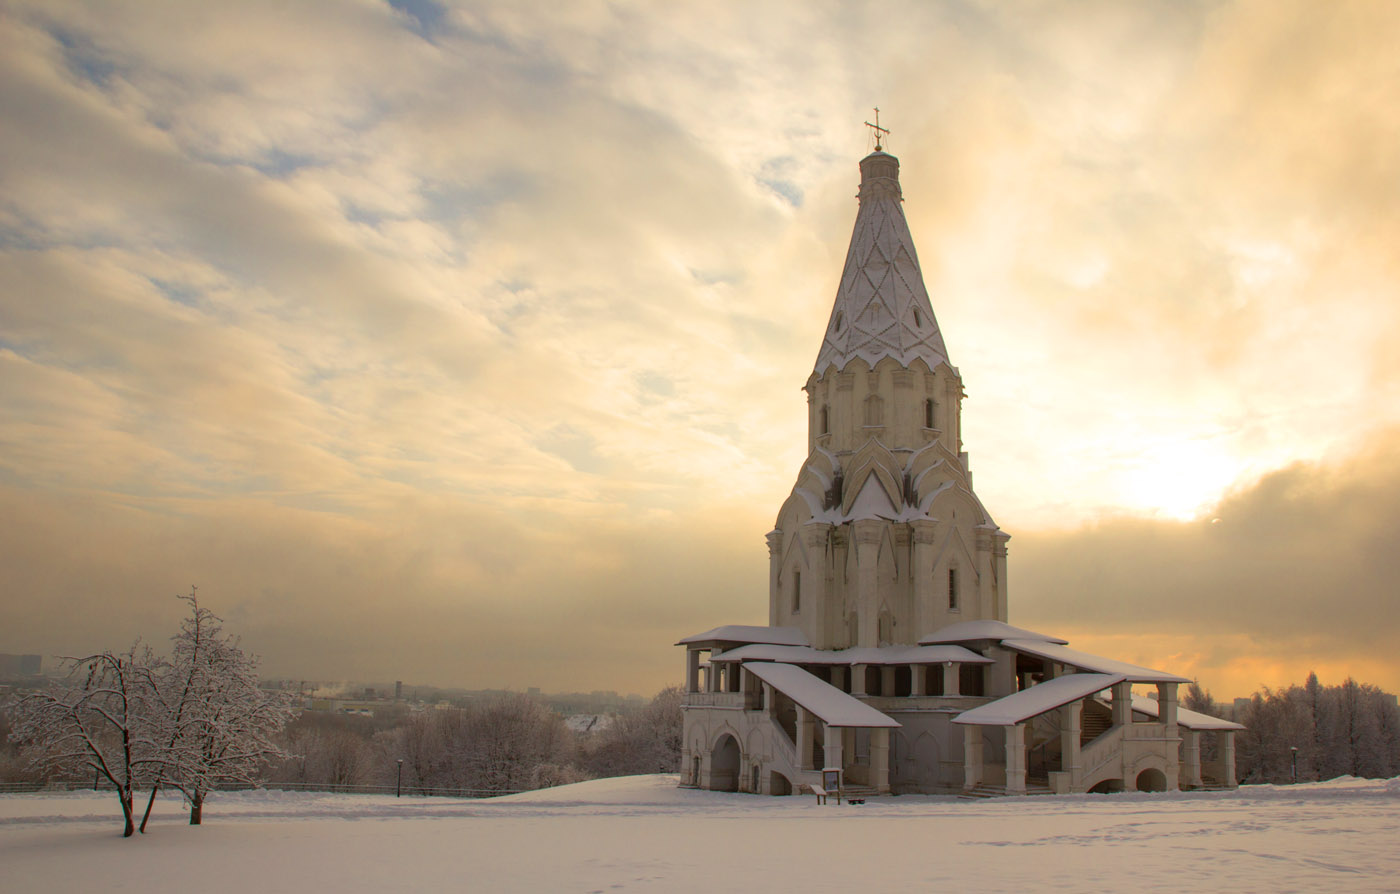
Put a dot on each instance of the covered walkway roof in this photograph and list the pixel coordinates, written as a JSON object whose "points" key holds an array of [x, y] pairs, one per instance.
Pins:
{"points": [[864, 655], [1092, 663], [1189, 719], [974, 631], [1022, 706], [834, 707]]}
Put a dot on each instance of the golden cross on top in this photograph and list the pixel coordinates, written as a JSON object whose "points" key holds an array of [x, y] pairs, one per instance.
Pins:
{"points": [[877, 129]]}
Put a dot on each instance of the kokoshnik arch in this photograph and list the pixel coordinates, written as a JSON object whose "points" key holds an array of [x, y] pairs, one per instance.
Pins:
{"points": [[888, 655]]}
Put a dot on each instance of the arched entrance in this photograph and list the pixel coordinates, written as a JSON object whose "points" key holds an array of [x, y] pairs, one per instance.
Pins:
{"points": [[1152, 780], [724, 765], [778, 784]]}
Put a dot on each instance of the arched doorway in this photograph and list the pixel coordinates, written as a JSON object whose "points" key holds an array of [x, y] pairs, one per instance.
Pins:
{"points": [[724, 765], [1152, 780], [778, 784]]}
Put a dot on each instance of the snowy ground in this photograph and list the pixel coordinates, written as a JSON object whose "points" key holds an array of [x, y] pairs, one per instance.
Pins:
{"points": [[643, 833]]}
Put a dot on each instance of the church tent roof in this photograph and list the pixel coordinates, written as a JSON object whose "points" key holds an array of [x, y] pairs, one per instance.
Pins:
{"points": [[834, 707], [1022, 706], [749, 633], [866, 655], [1094, 663], [882, 307], [1189, 719], [971, 631]]}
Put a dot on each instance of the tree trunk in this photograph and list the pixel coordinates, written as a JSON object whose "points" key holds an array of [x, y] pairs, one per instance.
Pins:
{"points": [[145, 817], [197, 809], [128, 812]]}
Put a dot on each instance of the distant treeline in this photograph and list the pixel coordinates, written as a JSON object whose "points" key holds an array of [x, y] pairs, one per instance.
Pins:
{"points": [[509, 742], [1347, 730]]}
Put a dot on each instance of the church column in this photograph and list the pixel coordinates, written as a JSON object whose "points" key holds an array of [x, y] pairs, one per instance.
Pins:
{"points": [[1016, 759], [1227, 755], [775, 599], [880, 760], [834, 756], [918, 678], [1123, 704], [1166, 715], [986, 579], [999, 566], [804, 739], [1071, 728], [838, 676], [814, 618], [857, 679], [1166, 708], [692, 670], [951, 678], [926, 611], [972, 757], [1190, 758], [887, 680], [867, 595]]}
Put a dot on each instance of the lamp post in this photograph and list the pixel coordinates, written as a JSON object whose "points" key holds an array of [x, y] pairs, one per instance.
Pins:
{"points": [[1294, 749], [398, 780]]}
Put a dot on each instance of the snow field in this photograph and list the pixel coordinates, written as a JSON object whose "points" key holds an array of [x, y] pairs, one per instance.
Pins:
{"points": [[643, 833]]}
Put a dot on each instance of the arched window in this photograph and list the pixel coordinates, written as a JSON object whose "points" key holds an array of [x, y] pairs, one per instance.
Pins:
{"points": [[825, 420], [952, 589], [840, 320], [918, 320], [796, 591], [929, 407]]}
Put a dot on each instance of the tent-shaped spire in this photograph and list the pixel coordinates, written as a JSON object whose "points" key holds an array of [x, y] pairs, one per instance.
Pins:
{"points": [[882, 308]]}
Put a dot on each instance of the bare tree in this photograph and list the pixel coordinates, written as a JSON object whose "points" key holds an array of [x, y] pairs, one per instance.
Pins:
{"points": [[98, 720], [218, 726], [648, 741]]}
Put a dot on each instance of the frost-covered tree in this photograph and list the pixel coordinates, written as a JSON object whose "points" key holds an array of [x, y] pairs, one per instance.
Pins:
{"points": [[507, 740], [218, 727], [100, 719], [648, 741], [1352, 729]]}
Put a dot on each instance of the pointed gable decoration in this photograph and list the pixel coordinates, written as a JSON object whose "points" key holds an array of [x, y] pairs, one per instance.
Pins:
{"points": [[882, 308]]}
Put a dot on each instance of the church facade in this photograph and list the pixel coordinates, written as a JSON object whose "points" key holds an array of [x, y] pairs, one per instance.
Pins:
{"points": [[887, 654]]}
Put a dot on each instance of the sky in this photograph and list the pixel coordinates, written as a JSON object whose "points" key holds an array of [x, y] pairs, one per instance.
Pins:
{"points": [[463, 343]]}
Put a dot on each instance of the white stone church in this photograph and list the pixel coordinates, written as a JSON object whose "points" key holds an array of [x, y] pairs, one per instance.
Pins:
{"points": [[887, 653]]}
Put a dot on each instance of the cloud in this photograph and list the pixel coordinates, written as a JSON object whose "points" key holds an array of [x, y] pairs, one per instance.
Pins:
{"points": [[1297, 569], [509, 304]]}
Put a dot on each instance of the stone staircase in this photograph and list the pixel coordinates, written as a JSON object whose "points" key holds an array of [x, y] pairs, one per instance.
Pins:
{"points": [[985, 791], [1096, 720]]}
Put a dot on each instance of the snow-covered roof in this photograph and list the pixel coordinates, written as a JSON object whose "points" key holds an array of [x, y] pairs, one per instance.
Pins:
{"points": [[749, 633], [1189, 719], [882, 308], [1094, 663], [862, 655], [833, 706], [969, 631], [1022, 706]]}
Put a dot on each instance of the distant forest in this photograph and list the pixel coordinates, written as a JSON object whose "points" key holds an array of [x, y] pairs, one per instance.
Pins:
{"points": [[1348, 730]]}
